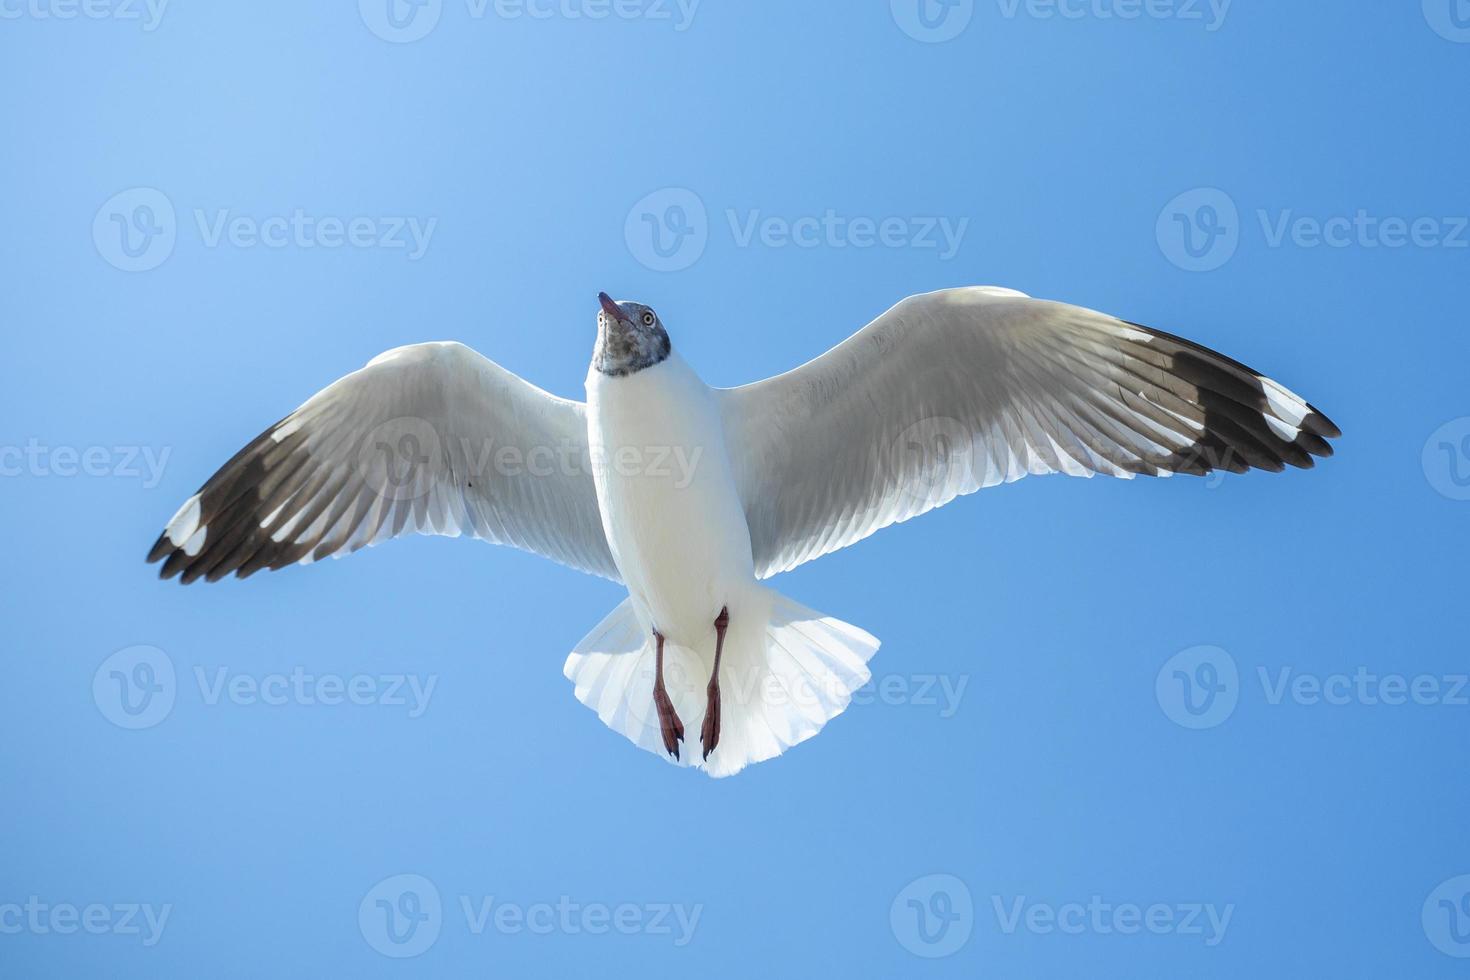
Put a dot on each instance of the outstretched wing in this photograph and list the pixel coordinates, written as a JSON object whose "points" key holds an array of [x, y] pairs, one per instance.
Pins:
{"points": [[952, 391], [428, 439]]}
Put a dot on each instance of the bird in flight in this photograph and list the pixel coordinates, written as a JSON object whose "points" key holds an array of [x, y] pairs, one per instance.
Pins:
{"points": [[692, 496]]}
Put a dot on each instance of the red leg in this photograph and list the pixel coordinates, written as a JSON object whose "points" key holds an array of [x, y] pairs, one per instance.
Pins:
{"points": [[668, 720], [709, 734]]}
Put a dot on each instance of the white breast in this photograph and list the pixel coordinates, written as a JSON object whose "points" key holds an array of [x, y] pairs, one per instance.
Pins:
{"points": [[669, 504]]}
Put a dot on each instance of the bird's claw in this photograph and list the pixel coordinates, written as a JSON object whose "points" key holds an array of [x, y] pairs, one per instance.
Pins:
{"points": [[670, 727], [709, 732]]}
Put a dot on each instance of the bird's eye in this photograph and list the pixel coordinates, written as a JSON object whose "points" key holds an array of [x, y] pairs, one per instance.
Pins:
{"points": [[647, 319]]}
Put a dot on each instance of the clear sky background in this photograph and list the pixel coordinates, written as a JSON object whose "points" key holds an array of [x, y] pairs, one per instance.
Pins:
{"points": [[1043, 740]]}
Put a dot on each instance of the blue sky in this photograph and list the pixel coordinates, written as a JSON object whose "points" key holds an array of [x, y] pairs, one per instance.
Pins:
{"points": [[1159, 728]]}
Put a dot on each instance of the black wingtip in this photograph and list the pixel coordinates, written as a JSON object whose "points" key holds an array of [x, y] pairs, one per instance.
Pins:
{"points": [[175, 564], [1237, 401], [1315, 444], [1321, 424], [160, 549]]}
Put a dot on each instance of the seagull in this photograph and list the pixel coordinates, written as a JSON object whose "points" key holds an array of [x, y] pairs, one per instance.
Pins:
{"points": [[692, 496]]}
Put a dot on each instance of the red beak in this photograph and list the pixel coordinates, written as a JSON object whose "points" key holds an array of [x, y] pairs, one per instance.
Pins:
{"points": [[610, 308]]}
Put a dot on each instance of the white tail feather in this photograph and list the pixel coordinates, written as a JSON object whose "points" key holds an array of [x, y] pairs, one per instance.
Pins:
{"points": [[786, 671]]}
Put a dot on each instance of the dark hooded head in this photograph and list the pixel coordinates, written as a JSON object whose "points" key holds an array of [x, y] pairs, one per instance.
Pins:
{"points": [[630, 337]]}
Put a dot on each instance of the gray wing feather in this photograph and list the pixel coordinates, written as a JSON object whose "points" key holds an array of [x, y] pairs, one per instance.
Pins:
{"points": [[429, 439], [953, 391]]}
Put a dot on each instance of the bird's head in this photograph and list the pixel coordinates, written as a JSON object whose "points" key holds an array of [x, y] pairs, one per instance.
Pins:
{"points": [[630, 337]]}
